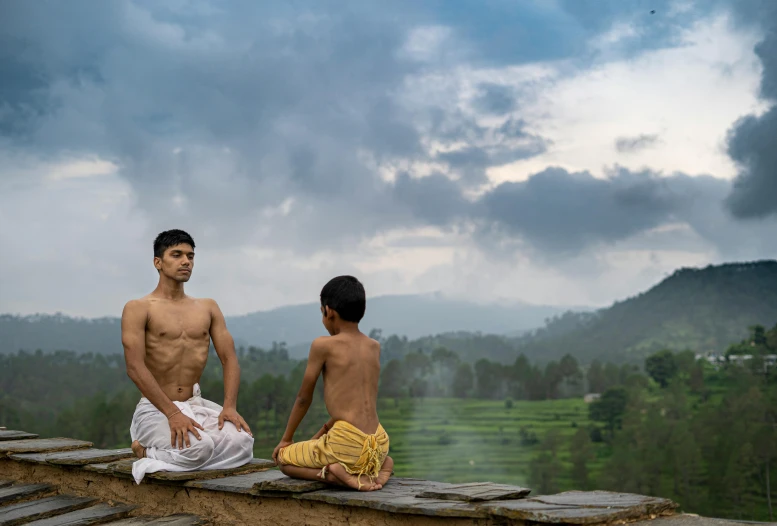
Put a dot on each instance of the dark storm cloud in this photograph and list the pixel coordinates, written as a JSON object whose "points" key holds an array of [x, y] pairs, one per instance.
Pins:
{"points": [[220, 118], [434, 199], [751, 140], [495, 99], [560, 211], [231, 112], [634, 144], [513, 143]]}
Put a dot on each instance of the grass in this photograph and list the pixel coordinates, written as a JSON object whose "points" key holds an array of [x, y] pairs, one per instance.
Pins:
{"points": [[453, 440]]}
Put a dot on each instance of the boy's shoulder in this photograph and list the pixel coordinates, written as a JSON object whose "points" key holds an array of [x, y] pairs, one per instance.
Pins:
{"points": [[331, 342]]}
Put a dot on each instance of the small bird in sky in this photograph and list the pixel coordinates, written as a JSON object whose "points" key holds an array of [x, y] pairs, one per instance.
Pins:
{"points": [[652, 11]]}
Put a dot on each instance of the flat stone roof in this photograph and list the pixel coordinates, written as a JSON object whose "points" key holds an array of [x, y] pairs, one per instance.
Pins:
{"points": [[75, 465]]}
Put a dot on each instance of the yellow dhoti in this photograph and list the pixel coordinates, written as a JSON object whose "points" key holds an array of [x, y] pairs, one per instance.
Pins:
{"points": [[344, 444]]}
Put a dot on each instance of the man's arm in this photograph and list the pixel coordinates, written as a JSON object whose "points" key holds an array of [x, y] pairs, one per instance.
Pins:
{"points": [[316, 360], [225, 349], [133, 338]]}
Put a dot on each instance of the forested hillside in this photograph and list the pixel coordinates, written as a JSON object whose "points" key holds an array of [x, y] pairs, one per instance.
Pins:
{"points": [[701, 309]]}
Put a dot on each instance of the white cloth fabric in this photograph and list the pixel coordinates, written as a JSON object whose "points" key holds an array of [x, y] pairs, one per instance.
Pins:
{"points": [[219, 449]]}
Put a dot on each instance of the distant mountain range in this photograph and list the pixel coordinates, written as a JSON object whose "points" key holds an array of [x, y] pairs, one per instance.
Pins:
{"points": [[699, 309], [297, 325]]}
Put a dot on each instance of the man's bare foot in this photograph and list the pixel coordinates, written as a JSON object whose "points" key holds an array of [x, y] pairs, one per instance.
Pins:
{"points": [[139, 450], [386, 470], [352, 481]]}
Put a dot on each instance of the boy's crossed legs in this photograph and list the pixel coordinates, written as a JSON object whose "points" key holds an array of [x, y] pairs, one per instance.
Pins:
{"points": [[337, 475], [325, 456]]}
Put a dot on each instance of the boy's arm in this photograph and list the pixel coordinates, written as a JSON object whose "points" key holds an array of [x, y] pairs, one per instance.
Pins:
{"points": [[225, 349], [316, 359]]}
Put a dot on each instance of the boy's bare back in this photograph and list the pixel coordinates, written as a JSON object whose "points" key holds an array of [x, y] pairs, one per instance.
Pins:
{"points": [[351, 371]]}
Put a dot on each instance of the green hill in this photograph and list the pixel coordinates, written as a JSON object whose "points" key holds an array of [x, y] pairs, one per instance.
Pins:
{"points": [[700, 309], [413, 316]]}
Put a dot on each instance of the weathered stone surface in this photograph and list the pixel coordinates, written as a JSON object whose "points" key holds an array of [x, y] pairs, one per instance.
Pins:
{"points": [[235, 484], [171, 520], [268, 483], [10, 434], [25, 512], [398, 496], [103, 467], [4, 483], [42, 445], [565, 514], [23, 491], [476, 492], [687, 519], [276, 482], [606, 499], [79, 457], [124, 467], [581, 507], [94, 515]]}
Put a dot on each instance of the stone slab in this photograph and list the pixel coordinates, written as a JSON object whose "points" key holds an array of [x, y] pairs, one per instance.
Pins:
{"points": [[690, 519], [181, 519], [94, 515], [267, 483], [398, 496], [607, 499], [23, 491], [277, 482], [78, 457], [103, 467], [566, 514], [10, 434], [582, 507], [235, 484], [42, 445], [4, 483], [124, 467], [25, 512], [476, 492]]}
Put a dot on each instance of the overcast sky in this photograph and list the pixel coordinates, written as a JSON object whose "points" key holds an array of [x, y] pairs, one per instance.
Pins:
{"points": [[564, 152]]}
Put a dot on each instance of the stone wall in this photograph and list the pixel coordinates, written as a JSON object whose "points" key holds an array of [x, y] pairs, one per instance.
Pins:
{"points": [[259, 494]]}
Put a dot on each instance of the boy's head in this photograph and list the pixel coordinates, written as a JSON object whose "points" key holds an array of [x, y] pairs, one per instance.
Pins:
{"points": [[174, 254], [344, 295]]}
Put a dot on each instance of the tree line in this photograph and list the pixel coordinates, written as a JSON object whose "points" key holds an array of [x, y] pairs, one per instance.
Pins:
{"points": [[702, 435]]}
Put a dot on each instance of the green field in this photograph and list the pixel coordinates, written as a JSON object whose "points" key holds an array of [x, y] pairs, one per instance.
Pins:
{"points": [[453, 440]]}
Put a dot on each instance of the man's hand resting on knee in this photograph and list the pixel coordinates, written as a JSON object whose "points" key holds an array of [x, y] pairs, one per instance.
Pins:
{"points": [[231, 415], [180, 427]]}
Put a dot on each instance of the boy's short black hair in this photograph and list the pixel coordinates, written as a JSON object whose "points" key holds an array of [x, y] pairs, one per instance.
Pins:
{"points": [[346, 296], [170, 238]]}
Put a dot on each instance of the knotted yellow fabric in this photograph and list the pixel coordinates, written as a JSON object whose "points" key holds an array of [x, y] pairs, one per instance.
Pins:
{"points": [[359, 453]]}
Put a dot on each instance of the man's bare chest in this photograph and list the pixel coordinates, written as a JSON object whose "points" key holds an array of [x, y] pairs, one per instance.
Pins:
{"points": [[177, 323]]}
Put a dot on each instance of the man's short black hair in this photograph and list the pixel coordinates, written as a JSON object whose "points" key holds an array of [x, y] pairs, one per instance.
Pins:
{"points": [[170, 238], [346, 296]]}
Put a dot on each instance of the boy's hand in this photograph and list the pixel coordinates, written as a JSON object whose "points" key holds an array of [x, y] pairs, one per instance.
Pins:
{"points": [[231, 415], [282, 444]]}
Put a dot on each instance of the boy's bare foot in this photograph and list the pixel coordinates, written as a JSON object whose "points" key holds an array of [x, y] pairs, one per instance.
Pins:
{"points": [[352, 481], [386, 470], [139, 450]]}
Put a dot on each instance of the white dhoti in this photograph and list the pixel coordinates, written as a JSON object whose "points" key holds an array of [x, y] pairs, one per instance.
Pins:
{"points": [[224, 448]]}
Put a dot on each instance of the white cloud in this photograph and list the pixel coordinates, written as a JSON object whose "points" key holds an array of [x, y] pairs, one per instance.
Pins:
{"points": [[79, 168], [688, 96]]}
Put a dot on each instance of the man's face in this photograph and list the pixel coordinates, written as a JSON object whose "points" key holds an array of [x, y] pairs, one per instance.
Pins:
{"points": [[177, 262]]}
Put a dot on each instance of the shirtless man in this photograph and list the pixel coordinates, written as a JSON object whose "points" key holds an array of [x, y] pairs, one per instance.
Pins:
{"points": [[351, 449], [166, 337]]}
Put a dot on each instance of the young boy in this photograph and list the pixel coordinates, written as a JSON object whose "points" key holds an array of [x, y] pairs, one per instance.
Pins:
{"points": [[352, 445]]}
